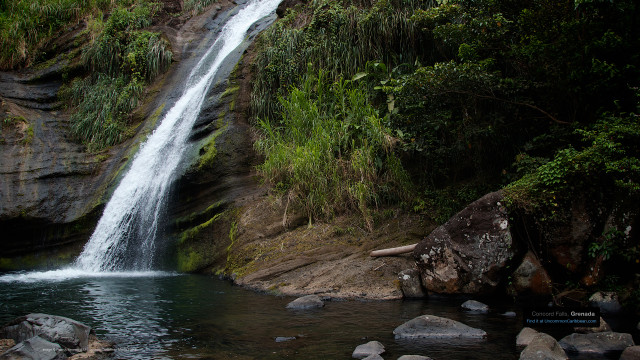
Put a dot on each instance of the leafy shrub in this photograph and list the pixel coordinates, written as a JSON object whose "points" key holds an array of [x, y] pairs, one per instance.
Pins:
{"points": [[609, 163]]}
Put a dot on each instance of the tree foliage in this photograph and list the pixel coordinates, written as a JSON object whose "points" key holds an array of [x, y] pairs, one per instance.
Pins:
{"points": [[484, 92]]}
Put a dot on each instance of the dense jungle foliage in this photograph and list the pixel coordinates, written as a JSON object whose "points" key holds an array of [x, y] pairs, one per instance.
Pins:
{"points": [[540, 98]]}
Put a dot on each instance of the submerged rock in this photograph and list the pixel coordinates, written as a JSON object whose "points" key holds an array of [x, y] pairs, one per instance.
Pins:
{"points": [[475, 306], [543, 347], [364, 351], [470, 252], [435, 327], [597, 343], [306, 302], [35, 348], [280, 339], [414, 357], [71, 334]]}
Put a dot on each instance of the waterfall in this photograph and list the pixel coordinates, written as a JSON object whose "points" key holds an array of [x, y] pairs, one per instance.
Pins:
{"points": [[125, 237]]}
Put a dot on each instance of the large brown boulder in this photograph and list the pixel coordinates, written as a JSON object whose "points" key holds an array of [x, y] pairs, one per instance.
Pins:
{"points": [[470, 252]]}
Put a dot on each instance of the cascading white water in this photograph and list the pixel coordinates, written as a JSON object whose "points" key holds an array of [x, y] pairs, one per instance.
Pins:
{"points": [[125, 236]]}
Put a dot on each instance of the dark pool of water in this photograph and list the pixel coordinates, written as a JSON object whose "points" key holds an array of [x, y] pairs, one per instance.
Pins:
{"points": [[191, 316]]}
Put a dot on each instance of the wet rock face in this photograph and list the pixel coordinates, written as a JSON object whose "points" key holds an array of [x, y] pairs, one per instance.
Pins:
{"points": [[469, 253], [50, 188]]}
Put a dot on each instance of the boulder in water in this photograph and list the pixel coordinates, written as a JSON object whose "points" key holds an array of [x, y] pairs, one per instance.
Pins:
{"points": [[475, 306], [371, 348], [435, 327], [543, 347], [597, 343], [70, 334], [306, 302], [35, 348], [414, 357], [280, 339], [525, 336]]}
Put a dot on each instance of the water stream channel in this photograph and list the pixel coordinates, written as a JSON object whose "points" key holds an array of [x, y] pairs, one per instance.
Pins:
{"points": [[158, 315]]}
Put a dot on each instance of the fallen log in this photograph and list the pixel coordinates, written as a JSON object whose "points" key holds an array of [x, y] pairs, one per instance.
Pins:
{"points": [[393, 251]]}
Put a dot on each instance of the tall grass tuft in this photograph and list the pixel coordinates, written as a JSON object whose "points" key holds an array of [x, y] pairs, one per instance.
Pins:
{"points": [[102, 104], [122, 59], [25, 26], [195, 7], [329, 152]]}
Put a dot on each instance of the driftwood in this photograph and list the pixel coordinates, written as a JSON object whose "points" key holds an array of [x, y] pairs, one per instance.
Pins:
{"points": [[393, 251]]}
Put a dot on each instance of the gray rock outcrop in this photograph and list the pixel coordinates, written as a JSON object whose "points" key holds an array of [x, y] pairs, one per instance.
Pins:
{"points": [[597, 343], [470, 252], [435, 327], [364, 351], [475, 306], [70, 334], [543, 347], [306, 302], [35, 348], [525, 336]]}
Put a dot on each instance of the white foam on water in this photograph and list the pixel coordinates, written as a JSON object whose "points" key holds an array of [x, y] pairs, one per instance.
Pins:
{"points": [[75, 273]]}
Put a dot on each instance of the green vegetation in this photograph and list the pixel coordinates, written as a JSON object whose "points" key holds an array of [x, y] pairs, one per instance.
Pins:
{"points": [[27, 25], [538, 98], [475, 94], [122, 59], [330, 151]]}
